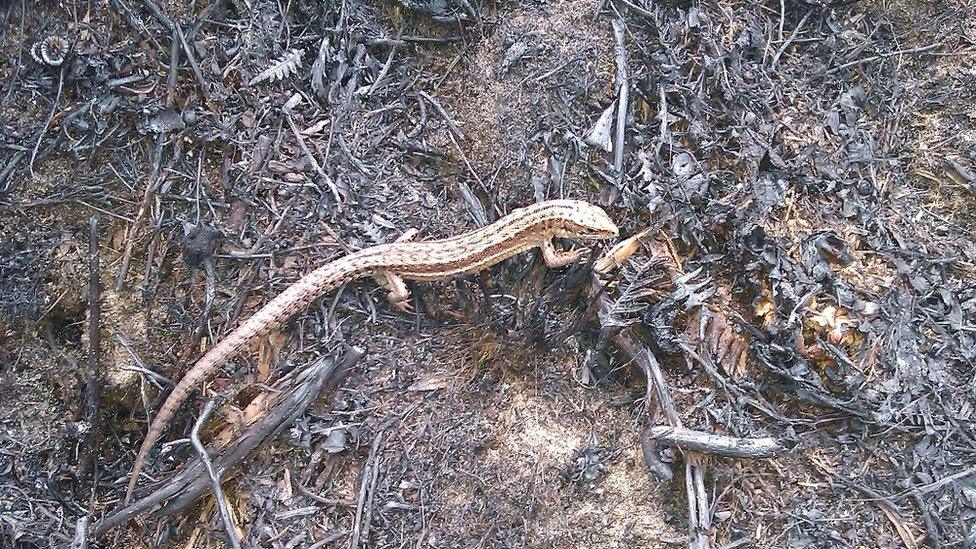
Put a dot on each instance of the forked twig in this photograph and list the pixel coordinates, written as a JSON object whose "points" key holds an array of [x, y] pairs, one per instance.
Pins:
{"points": [[214, 476]]}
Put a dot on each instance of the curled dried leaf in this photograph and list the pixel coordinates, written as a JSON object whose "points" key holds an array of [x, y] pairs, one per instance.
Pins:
{"points": [[835, 323], [599, 135]]}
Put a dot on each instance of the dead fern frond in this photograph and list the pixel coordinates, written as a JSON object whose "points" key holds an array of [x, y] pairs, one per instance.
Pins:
{"points": [[641, 282], [691, 291], [284, 67], [711, 331]]}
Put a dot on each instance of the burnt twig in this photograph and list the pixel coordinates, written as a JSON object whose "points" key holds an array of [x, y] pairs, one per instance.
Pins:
{"points": [[156, 379], [699, 516], [154, 180], [308, 153], [47, 123], [856, 62], [792, 37], [12, 81], [475, 207], [620, 54], [213, 474], [707, 443], [80, 541], [158, 13], [90, 398], [156, 177], [383, 71], [366, 492], [451, 124], [201, 82]]}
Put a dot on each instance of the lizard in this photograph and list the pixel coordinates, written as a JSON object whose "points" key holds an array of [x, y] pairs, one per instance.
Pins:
{"points": [[390, 264]]}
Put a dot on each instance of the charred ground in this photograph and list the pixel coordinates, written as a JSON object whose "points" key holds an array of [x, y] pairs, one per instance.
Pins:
{"points": [[808, 172]]}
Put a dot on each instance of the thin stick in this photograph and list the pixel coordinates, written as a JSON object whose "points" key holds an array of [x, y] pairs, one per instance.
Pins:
{"points": [[383, 71], [451, 124], [204, 17], [920, 49], [474, 205], [5, 172], [201, 82], [80, 540], [372, 492], [47, 123], [796, 30], [620, 53], [312, 160], [90, 399], [366, 488], [637, 9], [158, 13], [699, 518], [156, 176], [721, 445], [20, 55], [214, 477]]}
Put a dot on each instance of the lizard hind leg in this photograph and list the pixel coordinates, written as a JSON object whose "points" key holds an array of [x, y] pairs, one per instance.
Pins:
{"points": [[399, 296]]}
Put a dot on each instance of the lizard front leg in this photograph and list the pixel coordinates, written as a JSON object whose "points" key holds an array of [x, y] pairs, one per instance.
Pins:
{"points": [[556, 259]]}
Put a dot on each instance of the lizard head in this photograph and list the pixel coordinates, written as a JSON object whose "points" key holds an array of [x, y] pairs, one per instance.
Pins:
{"points": [[585, 221]]}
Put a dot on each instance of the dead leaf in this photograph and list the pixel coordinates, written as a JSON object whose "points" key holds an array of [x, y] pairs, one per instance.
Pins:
{"points": [[268, 354], [430, 383]]}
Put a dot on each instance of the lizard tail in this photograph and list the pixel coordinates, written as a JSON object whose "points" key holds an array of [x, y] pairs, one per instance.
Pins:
{"points": [[199, 372], [271, 316]]}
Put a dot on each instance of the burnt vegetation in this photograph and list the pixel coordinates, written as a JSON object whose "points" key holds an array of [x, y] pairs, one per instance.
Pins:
{"points": [[798, 177]]}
